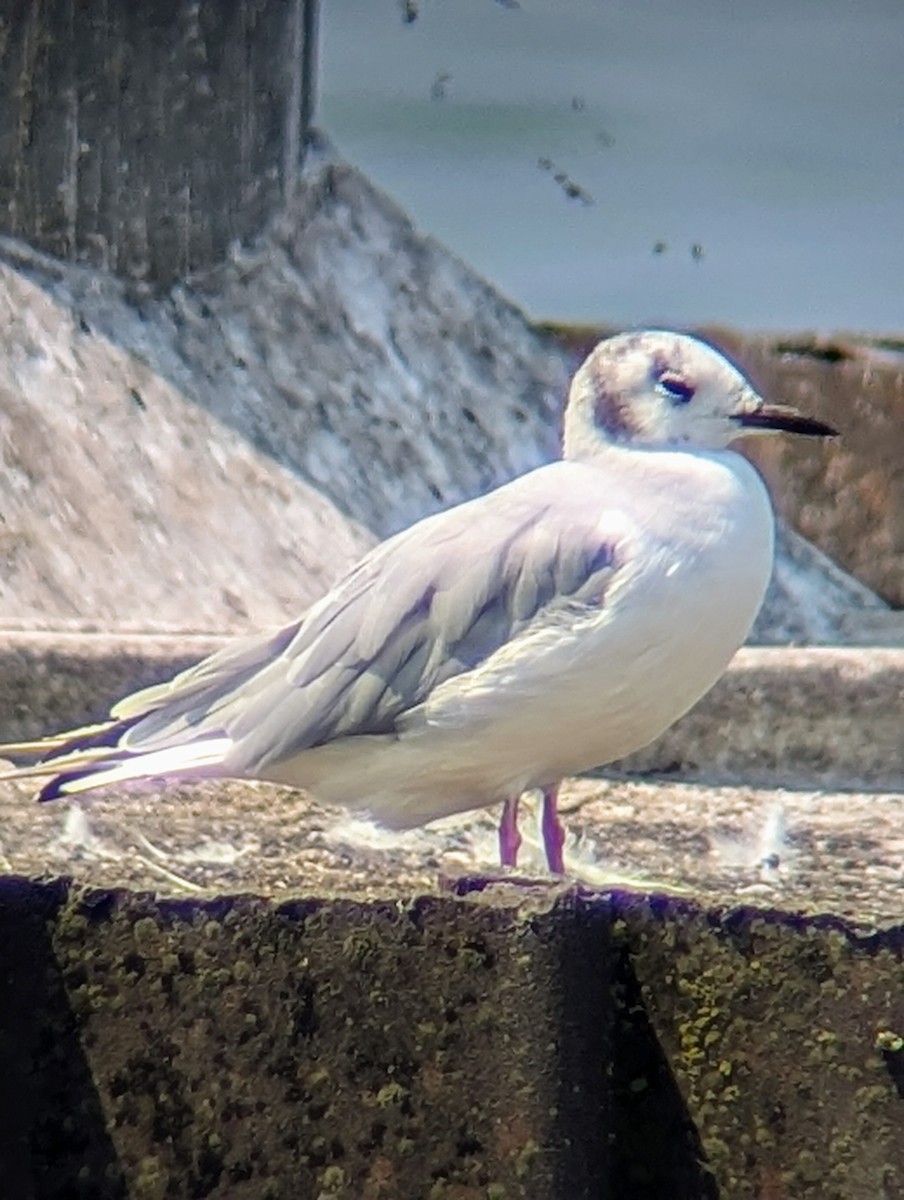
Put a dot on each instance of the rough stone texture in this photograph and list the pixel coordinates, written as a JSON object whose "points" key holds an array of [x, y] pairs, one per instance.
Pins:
{"points": [[435, 1048], [748, 776], [849, 498], [785, 1039], [124, 503], [808, 849], [812, 601], [786, 716], [389, 1022], [145, 138], [57, 680], [187, 461], [512, 1043]]}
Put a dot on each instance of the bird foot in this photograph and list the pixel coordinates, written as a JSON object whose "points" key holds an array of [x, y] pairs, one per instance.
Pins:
{"points": [[509, 834], [553, 832]]}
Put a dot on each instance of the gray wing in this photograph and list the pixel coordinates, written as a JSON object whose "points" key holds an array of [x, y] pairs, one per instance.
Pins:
{"points": [[430, 603]]}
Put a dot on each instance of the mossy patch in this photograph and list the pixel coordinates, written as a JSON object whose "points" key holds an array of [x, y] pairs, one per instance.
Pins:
{"points": [[769, 1023]]}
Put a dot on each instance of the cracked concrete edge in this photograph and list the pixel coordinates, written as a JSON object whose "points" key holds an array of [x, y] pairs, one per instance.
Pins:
{"points": [[808, 716]]}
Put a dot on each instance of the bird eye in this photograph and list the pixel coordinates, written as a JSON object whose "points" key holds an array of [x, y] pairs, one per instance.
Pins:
{"points": [[678, 390]]}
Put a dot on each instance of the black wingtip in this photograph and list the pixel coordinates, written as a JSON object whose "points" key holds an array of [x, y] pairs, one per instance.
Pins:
{"points": [[54, 790], [107, 738], [104, 739]]}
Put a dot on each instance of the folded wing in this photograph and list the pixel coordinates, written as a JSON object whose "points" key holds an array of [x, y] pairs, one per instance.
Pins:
{"points": [[430, 603]]}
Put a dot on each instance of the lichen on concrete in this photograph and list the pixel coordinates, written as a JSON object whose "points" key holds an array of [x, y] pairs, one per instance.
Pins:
{"points": [[769, 1023]]}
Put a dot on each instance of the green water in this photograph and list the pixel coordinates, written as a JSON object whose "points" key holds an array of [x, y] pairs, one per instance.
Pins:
{"points": [[771, 135]]}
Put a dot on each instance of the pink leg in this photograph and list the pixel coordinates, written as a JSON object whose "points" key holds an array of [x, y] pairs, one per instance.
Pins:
{"points": [[553, 833], [509, 837]]}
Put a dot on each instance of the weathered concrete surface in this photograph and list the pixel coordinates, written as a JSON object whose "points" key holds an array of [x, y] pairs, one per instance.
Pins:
{"points": [[786, 1040], [125, 503], [788, 716], [811, 716], [849, 500], [435, 1048], [388, 1024], [147, 142], [514, 1042], [807, 850], [69, 679], [812, 601], [213, 458]]}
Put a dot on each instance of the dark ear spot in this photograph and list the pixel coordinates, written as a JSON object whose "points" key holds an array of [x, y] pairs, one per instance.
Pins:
{"points": [[611, 413]]}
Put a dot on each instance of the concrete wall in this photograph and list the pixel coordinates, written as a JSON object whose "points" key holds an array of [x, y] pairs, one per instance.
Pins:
{"points": [[497, 1046]]}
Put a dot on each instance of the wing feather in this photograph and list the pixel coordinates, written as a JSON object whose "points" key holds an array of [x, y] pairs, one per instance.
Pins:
{"points": [[437, 602]]}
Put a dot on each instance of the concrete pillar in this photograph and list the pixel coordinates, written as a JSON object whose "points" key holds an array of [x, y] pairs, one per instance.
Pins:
{"points": [[145, 138]]}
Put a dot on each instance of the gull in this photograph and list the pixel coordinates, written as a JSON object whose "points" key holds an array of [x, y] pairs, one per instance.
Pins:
{"points": [[553, 625]]}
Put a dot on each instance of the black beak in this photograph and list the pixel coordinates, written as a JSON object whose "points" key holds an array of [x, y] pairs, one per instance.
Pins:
{"points": [[780, 419]]}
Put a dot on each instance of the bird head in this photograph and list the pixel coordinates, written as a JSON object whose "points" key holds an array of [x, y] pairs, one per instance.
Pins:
{"points": [[661, 389]]}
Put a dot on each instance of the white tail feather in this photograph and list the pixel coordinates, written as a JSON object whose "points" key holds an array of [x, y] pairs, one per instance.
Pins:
{"points": [[174, 760]]}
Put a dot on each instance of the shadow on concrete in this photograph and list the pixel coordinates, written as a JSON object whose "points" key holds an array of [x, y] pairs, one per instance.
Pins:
{"points": [[53, 1138], [656, 1152], [581, 1128]]}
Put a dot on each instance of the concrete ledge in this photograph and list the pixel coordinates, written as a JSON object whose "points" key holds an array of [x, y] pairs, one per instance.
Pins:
{"points": [[512, 1043], [791, 716], [374, 1036], [826, 716], [432, 1048], [783, 1036], [53, 680]]}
